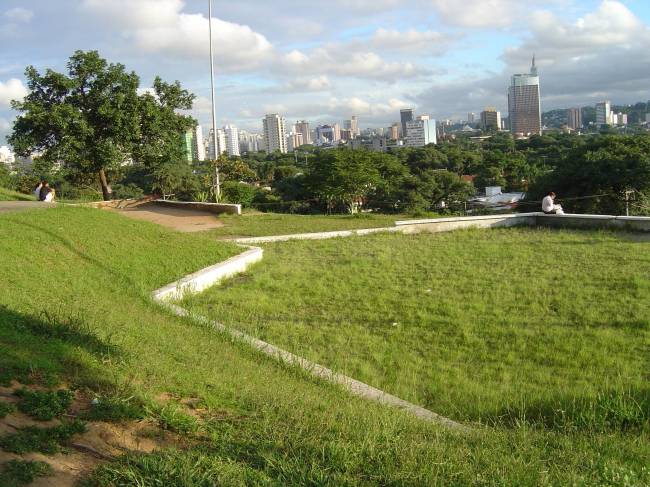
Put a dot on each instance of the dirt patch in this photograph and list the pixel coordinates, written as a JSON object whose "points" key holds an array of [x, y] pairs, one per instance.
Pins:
{"points": [[101, 443], [178, 219]]}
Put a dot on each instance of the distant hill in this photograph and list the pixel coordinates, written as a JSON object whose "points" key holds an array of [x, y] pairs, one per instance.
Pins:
{"points": [[636, 114]]}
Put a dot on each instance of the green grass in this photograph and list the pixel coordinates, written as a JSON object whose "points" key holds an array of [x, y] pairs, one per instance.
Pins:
{"points": [[16, 473], [10, 195], [266, 423], [266, 224], [41, 440], [6, 409], [501, 326], [44, 405]]}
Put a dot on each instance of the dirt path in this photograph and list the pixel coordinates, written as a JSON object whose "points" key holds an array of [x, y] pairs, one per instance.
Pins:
{"points": [[177, 219]]}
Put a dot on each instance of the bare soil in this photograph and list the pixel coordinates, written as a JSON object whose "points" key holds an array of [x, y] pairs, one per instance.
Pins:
{"points": [[178, 219]]}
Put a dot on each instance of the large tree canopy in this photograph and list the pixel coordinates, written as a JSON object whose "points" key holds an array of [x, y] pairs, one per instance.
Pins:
{"points": [[92, 119]]}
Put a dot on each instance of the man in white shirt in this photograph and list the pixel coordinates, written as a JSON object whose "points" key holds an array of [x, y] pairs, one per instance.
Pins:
{"points": [[549, 207]]}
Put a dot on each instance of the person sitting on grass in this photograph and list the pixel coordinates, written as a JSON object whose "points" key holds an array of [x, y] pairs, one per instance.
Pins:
{"points": [[549, 207], [37, 190], [46, 194]]}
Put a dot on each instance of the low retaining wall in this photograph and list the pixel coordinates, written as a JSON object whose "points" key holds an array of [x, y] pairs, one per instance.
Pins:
{"points": [[631, 223], [435, 225], [216, 208], [315, 236], [203, 279]]}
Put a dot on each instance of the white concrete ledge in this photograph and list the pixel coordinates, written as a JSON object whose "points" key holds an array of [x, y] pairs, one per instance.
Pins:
{"points": [[466, 218], [206, 278], [315, 236]]}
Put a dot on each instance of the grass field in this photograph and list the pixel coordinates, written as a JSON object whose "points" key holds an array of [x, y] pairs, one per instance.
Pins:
{"points": [[9, 195], [75, 307], [500, 326], [265, 224]]}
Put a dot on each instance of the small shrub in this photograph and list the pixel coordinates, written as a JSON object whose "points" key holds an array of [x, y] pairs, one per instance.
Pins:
{"points": [[41, 440], [17, 472], [44, 406], [128, 191], [239, 193], [6, 409], [115, 409]]}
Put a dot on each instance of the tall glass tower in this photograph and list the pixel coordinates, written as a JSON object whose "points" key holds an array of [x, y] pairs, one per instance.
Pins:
{"points": [[524, 103]]}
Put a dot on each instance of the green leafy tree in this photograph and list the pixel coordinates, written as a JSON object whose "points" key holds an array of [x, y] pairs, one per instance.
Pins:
{"points": [[91, 120]]}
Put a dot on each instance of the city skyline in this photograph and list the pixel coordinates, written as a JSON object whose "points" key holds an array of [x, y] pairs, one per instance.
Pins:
{"points": [[430, 56]]}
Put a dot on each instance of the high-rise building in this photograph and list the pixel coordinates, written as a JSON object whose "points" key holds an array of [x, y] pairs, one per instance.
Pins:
{"points": [[221, 144], [490, 119], [249, 142], [294, 141], [198, 145], [524, 103], [603, 113], [275, 134], [619, 118], [406, 115], [574, 118], [188, 144], [302, 127], [471, 118], [232, 140], [394, 131], [353, 126], [421, 132]]}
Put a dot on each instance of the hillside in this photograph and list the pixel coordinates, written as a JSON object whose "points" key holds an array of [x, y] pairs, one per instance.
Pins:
{"points": [[75, 312]]}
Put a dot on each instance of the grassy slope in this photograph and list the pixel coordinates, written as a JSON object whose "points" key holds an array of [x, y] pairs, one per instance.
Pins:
{"points": [[489, 324], [9, 195], [263, 224], [275, 426]]}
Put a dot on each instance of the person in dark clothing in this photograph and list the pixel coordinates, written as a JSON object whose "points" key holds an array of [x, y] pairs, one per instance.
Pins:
{"points": [[46, 194]]}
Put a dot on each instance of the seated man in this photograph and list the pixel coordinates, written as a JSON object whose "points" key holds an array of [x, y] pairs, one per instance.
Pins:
{"points": [[549, 207]]}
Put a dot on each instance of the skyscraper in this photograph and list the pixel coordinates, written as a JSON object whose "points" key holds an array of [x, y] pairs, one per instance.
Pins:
{"points": [[406, 115], [232, 140], [421, 132], [221, 144], [188, 145], [471, 118], [524, 103], [353, 126], [198, 146], [302, 127], [490, 119], [574, 117], [275, 134], [603, 113], [394, 131]]}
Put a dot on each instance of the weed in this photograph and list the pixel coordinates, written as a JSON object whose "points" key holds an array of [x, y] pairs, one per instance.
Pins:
{"points": [[41, 440], [171, 417], [6, 408], [115, 409], [17, 473], [44, 405]]}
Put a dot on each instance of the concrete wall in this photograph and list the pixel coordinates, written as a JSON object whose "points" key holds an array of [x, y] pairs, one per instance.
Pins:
{"points": [[206, 278], [449, 224], [217, 208], [631, 223]]}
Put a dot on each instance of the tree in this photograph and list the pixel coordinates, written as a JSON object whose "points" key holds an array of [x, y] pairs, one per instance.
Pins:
{"points": [[92, 120]]}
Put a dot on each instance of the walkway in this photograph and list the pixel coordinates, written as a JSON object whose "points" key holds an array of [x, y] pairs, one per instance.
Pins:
{"points": [[13, 206]]}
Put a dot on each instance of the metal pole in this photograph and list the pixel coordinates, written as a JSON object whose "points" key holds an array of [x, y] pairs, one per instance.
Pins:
{"points": [[217, 193]]}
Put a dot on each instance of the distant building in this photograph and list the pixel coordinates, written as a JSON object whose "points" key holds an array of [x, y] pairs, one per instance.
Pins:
{"points": [[327, 134], [198, 144], [471, 118], [294, 141], [275, 138], [232, 140], [603, 113], [524, 103], [421, 132], [7, 156], [406, 115], [221, 144], [302, 127], [353, 126], [188, 146], [619, 118], [490, 119], [249, 142], [394, 131], [647, 118], [574, 117]]}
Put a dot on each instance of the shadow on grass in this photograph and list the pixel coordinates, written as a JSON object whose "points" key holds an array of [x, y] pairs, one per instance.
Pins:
{"points": [[610, 411], [48, 350]]}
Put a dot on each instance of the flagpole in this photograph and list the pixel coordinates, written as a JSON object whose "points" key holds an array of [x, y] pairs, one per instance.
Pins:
{"points": [[217, 192]]}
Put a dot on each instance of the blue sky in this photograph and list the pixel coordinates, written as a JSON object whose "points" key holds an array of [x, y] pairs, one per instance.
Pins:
{"points": [[363, 57]]}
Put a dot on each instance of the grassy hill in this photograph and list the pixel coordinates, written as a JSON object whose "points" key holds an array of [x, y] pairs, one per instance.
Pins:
{"points": [[75, 309], [9, 195]]}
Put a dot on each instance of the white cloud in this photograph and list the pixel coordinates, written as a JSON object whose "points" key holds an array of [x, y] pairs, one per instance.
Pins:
{"points": [[318, 83], [479, 13], [19, 14], [12, 89], [428, 41], [161, 26]]}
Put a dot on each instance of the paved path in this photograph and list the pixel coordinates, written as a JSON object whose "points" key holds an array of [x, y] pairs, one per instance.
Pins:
{"points": [[12, 206], [178, 219]]}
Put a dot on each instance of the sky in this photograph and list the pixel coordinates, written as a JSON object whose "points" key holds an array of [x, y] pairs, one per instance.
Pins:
{"points": [[325, 62]]}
